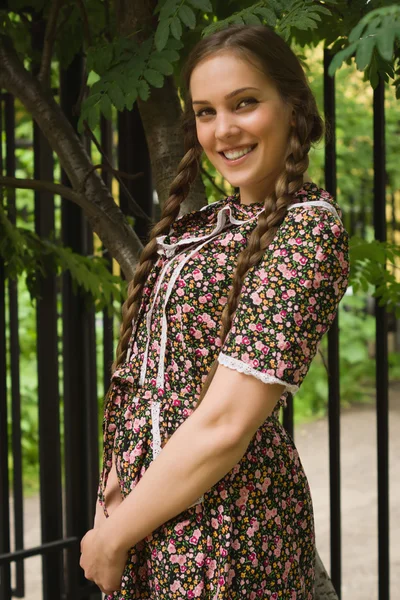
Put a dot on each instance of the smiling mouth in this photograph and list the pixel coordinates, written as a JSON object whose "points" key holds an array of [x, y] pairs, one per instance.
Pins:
{"points": [[235, 155]]}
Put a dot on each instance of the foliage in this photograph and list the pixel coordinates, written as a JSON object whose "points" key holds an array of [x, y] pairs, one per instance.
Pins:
{"points": [[24, 252], [368, 268], [373, 42]]}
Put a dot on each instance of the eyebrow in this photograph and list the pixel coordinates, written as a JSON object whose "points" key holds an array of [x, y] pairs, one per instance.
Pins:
{"points": [[230, 95]]}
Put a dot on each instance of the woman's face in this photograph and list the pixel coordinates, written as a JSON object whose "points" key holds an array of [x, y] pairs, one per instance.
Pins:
{"points": [[230, 118]]}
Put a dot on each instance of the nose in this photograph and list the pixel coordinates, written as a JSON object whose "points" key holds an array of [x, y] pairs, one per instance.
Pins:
{"points": [[225, 126]]}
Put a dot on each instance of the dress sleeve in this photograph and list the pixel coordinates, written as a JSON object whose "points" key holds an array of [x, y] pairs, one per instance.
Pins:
{"points": [[289, 299]]}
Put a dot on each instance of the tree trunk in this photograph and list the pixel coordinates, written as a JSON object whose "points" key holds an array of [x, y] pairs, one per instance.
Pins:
{"points": [[160, 113]]}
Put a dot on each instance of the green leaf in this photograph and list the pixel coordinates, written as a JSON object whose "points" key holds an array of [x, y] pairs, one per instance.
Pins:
{"points": [[162, 34], [340, 57], [161, 65], [204, 5], [116, 96], [130, 99], [176, 28], [144, 90], [364, 52], [251, 19], [187, 16], [91, 101], [174, 44], [155, 78], [105, 107], [93, 117], [170, 55], [385, 41], [168, 9], [356, 32], [268, 15]]}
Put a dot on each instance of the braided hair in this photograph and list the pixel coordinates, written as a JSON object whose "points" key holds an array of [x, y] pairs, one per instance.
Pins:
{"points": [[280, 64]]}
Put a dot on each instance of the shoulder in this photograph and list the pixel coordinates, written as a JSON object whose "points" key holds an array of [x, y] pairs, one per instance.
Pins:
{"points": [[315, 201]]}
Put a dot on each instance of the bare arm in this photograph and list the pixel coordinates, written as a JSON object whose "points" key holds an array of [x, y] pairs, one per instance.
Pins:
{"points": [[200, 452]]}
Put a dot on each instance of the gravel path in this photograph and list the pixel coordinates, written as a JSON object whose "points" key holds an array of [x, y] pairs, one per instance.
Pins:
{"points": [[359, 500]]}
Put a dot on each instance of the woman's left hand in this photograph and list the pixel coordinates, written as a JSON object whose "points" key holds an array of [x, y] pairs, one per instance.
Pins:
{"points": [[100, 562]]}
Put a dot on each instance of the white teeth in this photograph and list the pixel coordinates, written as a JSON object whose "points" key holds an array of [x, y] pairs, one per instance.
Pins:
{"points": [[237, 153]]}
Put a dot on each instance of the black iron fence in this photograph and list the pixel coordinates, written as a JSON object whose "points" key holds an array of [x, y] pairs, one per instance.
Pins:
{"points": [[69, 421]]}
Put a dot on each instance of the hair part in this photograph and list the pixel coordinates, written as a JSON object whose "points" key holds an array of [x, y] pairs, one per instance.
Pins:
{"points": [[265, 49]]}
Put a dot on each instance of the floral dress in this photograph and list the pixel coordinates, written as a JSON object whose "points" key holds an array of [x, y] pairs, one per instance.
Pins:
{"points": [[252, 534]]}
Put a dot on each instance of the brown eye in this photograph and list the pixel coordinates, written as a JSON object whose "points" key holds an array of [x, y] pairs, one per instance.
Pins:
{"points": [[248, 100]]}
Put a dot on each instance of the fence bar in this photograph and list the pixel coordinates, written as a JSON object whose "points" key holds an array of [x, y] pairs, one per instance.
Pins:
{"points": [[106, 132], [5, 579], [333, 353], [42, 549], [80, 397], [381, 345], [49, 402], [19, 591]]}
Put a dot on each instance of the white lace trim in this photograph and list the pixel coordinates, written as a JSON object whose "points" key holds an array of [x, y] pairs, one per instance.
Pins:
{"points": [[221, 221], [322, 203], [156, 437], [242, 367], [155, 428]]}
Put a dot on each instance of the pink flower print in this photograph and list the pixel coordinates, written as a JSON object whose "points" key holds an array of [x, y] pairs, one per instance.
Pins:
{"points": [[238, 339], [174, 587], [186, 308], [179, 292], [221, 260], [298, 319], [228, 238], [223, 300], [179, 559], [213, 279], [198, 589], [181, 283], [236, 544], [245, 357], [277, 318], [257, 300], [203, 299], [211, 567], [128, 414], [319, 255], [199, 559], [112, 427], [220, 276], [214, 523]]}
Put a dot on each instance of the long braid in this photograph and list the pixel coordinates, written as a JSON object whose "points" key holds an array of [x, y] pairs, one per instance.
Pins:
{"points": [[187, 171], [180, 186]]}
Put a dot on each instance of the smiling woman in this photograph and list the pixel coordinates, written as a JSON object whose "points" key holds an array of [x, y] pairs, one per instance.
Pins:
{"points": [[244, 137], [202, 493]]}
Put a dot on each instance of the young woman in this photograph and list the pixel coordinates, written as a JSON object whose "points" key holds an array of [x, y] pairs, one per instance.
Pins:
{"points": [[224, 316]]}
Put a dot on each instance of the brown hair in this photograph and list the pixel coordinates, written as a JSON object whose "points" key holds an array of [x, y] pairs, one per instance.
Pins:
{"points": [[281, 65]]}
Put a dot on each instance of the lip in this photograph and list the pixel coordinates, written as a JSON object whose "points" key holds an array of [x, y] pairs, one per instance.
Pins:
{"points": [[237, 161]]}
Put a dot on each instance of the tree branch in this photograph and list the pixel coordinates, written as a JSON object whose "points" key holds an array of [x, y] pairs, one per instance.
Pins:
{"points": [[104, 215], [50, 36], [48, 186], [85, 20]]}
